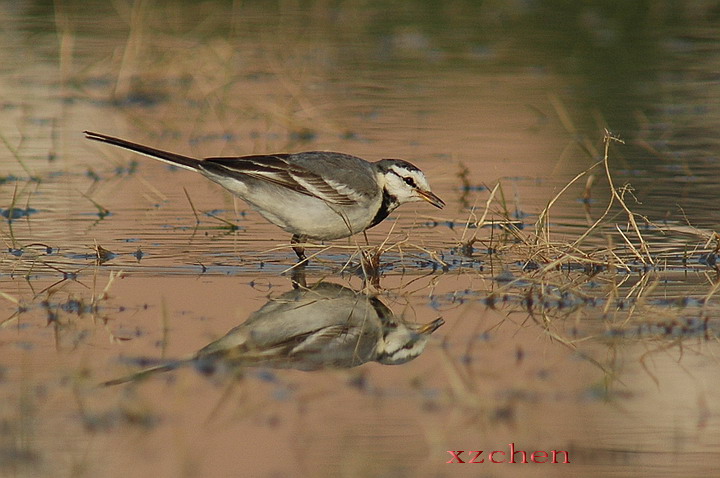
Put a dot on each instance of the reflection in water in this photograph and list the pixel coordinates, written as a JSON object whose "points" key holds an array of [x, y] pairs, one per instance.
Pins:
{"points": [[325, 326], [503, 88]]}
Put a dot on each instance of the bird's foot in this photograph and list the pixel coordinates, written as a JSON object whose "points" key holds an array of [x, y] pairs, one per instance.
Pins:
{"points": [[299, 250]]}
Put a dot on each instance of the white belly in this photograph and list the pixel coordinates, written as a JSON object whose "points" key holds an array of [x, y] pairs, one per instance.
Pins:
{"points": [[304, 215]]}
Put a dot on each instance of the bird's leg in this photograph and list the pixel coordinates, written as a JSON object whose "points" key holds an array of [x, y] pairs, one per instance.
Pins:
{"points": [[299, 250], [367, 243], [297, 277]]}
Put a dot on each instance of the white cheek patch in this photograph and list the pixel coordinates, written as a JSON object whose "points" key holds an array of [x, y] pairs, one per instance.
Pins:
{"points": [[396, 182], [396, 186]]}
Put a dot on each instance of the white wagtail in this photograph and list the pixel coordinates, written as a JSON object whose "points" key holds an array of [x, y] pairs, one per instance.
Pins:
{"points": [[313, 195], [326, 326]]}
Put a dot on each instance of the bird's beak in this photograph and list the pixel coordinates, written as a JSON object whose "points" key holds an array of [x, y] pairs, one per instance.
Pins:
{"points": [[430, 197], [431, 327]]}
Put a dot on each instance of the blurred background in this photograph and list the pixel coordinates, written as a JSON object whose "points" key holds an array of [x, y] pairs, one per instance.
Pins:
{"points": [[476, 93], [485, 83]]}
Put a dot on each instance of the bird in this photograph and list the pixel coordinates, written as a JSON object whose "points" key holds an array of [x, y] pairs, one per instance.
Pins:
{"points": [[318, 195], [324, 326]]}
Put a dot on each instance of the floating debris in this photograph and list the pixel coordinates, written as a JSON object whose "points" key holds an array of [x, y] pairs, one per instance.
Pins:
{"points": [[17, 212], [103, 255]]}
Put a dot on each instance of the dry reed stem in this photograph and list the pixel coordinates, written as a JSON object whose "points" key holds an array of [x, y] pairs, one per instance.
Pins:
{"points": [[569, 126], [615, 196], [480, 222], [15, 151], [128, 63], [706, 300], [155, 191], [544, 217], [192, 206], [460, 384]]}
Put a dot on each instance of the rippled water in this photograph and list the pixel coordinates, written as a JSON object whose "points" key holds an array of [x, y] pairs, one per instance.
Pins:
{"points": [[113, 262]]}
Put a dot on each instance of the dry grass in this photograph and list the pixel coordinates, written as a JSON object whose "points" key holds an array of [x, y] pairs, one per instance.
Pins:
{"points": [[551, 282], [613, 250]]}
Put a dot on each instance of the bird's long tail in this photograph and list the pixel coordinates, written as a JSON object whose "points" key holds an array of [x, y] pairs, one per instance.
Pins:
{"points": [[144, 373], [166, 156]]}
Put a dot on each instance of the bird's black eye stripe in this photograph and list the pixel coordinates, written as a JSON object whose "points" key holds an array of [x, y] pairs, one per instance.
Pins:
{"points": [[408, 180]]}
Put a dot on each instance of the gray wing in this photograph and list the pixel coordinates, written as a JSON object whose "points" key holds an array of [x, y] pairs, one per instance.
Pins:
{"points": [[333, 177]]}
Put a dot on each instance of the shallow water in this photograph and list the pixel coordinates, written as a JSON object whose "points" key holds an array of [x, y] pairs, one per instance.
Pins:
{"points": [[113, 261]]}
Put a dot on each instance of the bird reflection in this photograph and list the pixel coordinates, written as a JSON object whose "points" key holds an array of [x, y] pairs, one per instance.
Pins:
{"points": [[325, 326]]}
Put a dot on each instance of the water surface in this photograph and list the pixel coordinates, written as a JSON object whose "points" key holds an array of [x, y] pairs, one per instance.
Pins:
{"points": [[605, 350]]}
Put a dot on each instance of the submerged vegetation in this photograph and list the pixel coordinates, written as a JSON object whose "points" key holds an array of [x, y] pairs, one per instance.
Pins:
{"points": [[565, 298], [622, 267]]}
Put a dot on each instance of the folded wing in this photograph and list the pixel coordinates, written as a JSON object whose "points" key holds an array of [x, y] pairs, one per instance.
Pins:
{"points": [[301, 172]]}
